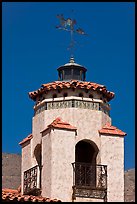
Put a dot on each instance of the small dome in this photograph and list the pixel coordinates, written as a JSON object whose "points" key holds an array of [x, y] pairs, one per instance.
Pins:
{"points": [[72, 70]]}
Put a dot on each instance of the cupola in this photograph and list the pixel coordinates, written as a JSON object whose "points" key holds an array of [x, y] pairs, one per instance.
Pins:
{"points": [[71, 71]]}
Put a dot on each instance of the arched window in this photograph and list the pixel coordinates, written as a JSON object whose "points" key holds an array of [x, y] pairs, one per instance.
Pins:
{"points": [[85, 163]]}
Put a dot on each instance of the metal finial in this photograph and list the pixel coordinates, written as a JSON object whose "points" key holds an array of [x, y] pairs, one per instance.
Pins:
{"points": [[72, 60], [69, 25]]}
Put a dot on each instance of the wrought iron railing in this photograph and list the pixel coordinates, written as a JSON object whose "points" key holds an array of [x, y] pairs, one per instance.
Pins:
{"points": [[32, 181], [89, 180]]}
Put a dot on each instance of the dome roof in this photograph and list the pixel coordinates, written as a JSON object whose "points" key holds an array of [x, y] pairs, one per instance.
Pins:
{"points": [[72, 63], [72, 70]]}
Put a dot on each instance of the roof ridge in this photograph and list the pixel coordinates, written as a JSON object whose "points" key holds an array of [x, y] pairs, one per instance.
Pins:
{"points": [[58, 123], [111, 130]]}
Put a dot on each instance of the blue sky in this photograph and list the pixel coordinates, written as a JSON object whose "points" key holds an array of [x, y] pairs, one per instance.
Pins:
{"points": [[32, 50]]}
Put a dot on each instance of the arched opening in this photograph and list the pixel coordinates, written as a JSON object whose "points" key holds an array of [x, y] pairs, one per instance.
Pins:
{"points": [[85, 162], [38, 156]]}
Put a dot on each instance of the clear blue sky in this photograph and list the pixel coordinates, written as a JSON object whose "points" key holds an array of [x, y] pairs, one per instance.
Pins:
{"points": [[32, 50]]}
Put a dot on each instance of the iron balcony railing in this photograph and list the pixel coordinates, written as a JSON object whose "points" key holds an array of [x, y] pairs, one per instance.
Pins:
{"points": [[89, 180], [32, 181]]}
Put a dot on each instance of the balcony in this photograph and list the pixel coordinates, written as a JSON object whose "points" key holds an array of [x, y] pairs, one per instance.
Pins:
{"points": [[89, 181], [32, 181]]}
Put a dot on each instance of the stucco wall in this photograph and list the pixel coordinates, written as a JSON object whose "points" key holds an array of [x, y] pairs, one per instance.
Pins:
{"points": [[46, 165], [38, 124], [26, 160], [55, 146], [72, 93], [88, 122], [80, 199], [112, 155], [58, 154]]}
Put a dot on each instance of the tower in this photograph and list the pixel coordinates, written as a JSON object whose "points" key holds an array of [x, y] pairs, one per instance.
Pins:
{"points": [[74, 153]]}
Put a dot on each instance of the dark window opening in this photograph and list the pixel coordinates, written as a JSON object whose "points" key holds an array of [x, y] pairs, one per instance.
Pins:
{"points": [[86, 90], [76, 72], [65, 94], [59, 90], [54, 95], [85, 159], [80, 94], [73, 89], [67, 74], [90, 96]]}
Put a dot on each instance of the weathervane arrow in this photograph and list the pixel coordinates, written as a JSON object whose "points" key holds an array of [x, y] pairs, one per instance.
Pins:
{"points": [[68, 25]]}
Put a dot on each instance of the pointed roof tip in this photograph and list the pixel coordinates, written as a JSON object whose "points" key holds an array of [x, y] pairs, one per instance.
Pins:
{"points": [[111, 130], [29, 137], [59, 124], [58, 119]]}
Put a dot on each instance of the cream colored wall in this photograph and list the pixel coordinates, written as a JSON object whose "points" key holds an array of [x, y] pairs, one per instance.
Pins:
{"points": [[72, 93], [80, 199], [46, 165], [55, 145], [26, 160], [87, 121], [58, 154], [112, 155], [38, 124]]}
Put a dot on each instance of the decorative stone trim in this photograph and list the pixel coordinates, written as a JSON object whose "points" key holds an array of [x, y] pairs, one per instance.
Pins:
{"points": [[73, 103]]}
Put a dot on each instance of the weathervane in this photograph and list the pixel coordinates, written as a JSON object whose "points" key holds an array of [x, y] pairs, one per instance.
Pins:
{"points": [[68, 25]]}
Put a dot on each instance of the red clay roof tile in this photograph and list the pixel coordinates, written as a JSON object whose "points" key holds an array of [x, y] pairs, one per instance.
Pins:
{"points": [[14, 195], [29, 137], [111, 130], [71, 84], [58, 123]]}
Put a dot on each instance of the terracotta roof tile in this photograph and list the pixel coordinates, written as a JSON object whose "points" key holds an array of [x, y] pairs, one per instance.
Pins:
{"points": [[71, 84], [58, 123], [29, 137], [111, 130], [14, 195]]}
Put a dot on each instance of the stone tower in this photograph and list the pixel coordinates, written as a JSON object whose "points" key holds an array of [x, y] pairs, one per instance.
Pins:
{"points": [[74, 153]]}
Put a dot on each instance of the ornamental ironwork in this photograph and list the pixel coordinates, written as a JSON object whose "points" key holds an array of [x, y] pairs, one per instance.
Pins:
{"points": [[69, 25], [31, 181], [89, 180], [73, 103]]}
